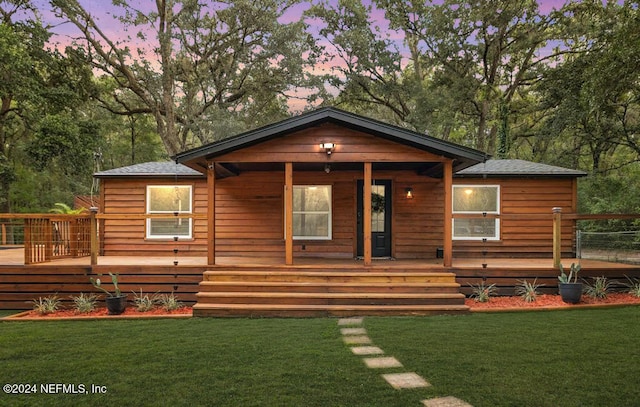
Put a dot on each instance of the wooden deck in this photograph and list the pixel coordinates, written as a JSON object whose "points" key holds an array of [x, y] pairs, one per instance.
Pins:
{"points": [[313, 286]]}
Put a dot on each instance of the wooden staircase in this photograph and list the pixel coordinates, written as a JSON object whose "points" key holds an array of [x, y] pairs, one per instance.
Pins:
{"points": [[254, 291]]}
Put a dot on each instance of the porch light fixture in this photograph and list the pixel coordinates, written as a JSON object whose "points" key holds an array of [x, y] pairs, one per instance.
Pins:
{"points": [[327, 147], [408, 193]]}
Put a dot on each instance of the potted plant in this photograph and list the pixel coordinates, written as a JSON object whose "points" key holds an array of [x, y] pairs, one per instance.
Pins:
{"points": [[569, 287], [116, 301]]}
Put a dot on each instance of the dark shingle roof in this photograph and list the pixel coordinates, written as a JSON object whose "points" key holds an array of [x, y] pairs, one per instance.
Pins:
{"points": [[151, 169], [517, 168]]}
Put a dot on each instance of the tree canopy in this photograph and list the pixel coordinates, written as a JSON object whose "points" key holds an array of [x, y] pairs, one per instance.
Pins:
{"points": [[151, 79]]}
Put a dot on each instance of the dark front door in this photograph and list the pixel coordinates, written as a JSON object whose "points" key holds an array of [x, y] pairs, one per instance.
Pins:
{"points": [[380, 218]]}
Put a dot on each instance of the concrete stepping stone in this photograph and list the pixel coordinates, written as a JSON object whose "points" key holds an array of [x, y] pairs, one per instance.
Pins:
{"points": [[366, 350], [356, 340], [353, 331], [350, 321], [405, 380], [449, 401], [381, 363]]}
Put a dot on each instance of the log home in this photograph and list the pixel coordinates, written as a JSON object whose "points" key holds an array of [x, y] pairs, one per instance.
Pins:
{"points": [[369, 214]]}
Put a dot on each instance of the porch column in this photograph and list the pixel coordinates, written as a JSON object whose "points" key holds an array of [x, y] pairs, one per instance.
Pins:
{"points": [[557, 237], [211, 214], [288, 211], [448, 216], [366, 219], [93, 227]]}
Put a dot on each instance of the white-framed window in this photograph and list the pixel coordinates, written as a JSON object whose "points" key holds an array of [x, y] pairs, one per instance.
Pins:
{"points": [[312, 212], [169, 199], [480, 205]]}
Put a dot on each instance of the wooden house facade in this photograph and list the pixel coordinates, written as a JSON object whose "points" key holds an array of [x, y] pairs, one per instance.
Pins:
{"points": [[337, 186]]}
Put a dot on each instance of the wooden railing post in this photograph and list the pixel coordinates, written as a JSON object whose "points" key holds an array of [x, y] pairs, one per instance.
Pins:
{"points": [[557, 236], [94, 236]]}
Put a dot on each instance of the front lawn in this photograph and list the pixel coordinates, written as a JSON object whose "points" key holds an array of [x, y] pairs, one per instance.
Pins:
{"points": [[485, 359]]}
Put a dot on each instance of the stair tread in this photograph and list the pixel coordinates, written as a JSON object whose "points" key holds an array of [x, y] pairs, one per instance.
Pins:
{"points": [[329, 306], [327, 295], [326, 283], [330, 273]]}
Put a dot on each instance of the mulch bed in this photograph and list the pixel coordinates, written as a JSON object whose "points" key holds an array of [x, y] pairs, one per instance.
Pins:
{"points": [[101, 313], [549, 302]]}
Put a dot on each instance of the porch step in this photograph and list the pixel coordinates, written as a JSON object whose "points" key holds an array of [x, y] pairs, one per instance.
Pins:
{"points": [[285, 310], [329, 287], [332, 276], [287, 291], [320, 298]]}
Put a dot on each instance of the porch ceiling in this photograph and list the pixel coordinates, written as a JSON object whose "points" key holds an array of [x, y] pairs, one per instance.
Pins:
{"points": [[430, 169]]}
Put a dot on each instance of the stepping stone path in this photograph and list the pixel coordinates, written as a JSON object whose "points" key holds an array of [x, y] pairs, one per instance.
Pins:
{"points": [[356, 334]]}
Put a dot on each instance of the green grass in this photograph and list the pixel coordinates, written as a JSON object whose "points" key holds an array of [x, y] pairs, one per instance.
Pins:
{"points": [[561, 358]]}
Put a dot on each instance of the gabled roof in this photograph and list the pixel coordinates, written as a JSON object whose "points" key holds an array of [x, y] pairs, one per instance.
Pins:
{"points": [[517, 168], [464, 156], [151, 169]]}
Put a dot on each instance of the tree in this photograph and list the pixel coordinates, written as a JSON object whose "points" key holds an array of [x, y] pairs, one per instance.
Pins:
{"points": [[207, 61], [593, 98], [466, 62]]}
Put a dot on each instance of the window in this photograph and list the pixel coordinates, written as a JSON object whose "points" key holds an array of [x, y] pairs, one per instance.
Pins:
{"points": [[480, 206], [169, 199], [312, 212]]}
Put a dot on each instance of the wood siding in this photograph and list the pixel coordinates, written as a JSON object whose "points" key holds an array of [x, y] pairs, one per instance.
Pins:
{"points": [[250, 219], [350, 146], [123, 237], [526, 226]]}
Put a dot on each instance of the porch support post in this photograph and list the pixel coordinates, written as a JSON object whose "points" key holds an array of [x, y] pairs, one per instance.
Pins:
{"points": [[288, 210], [211, 214], [366, 219], [557, 237], [448, 216], [94, 235]]}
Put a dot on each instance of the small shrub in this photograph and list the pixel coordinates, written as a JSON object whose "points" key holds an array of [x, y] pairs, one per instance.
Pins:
{"points": [[144, 302], [633, 286], [528, 291], [482, 292], [169, 302], [84, 303], [46, 305], [599, 288]]}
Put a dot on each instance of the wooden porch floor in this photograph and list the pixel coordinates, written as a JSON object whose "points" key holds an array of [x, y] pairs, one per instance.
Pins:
{"points": [[14, 256]]}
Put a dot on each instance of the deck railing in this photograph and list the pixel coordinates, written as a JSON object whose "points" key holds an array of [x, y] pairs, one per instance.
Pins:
{"points": [[48, 237]]}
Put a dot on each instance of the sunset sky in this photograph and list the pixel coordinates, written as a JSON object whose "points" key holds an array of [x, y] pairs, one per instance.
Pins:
{"points": [[103, 11]]}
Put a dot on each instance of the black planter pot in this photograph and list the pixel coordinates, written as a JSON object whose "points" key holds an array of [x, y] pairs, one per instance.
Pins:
{"points": [[116, 305], [570, 292]]}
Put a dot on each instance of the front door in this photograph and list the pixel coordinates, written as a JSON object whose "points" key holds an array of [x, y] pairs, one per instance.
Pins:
{"points": [[380, 218]]}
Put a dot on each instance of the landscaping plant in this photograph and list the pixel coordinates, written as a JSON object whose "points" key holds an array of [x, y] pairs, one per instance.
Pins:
{"points": [[482, 292], [84, 303], [599, 288], [169, 302], [46, 305], [144, 302], [114, 280], [572, 277], [634, 286], [528, 291]]}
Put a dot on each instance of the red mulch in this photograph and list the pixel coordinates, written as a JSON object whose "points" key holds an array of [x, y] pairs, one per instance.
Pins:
{"points": [[550, 301], [102, 312]]}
